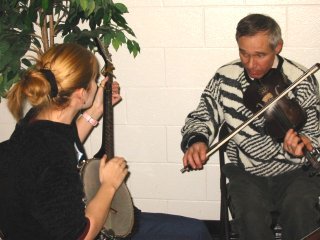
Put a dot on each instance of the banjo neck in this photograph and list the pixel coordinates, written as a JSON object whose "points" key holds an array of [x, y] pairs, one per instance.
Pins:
{"points": [[121, 217], [107, 145]]}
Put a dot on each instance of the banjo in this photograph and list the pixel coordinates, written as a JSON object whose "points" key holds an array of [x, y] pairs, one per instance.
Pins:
{"points": [[120, 219]]}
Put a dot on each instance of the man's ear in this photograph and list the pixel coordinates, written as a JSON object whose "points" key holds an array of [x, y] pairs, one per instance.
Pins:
{"points": [[278, 48]]}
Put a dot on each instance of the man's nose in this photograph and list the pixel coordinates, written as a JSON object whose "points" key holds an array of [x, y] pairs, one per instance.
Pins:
{"points": [[251, 62]]}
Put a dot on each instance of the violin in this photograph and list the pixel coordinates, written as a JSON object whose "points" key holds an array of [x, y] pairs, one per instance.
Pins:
{"points": [[284, 115], [264, 103]]}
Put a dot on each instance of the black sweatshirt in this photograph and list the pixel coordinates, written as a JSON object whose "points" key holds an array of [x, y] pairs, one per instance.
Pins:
{"points": [[40, 188]]}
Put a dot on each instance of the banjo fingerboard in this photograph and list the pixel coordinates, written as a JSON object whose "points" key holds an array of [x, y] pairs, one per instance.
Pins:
{"points": [[107, 146]]}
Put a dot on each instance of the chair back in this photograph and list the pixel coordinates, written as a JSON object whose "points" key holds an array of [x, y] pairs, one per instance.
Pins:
{"points": [[224, 213], [1, 236]]}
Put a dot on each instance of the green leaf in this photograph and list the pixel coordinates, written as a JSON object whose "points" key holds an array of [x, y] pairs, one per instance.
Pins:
{"points": [[130, 45], [45, 4], [135, 49], [7, 80], [135, 52], [121, 37], [2, 86], [107, 39], [119, 19], [107, 16], [99, 15], [33, 16], [116, 44], [4, 46], [91, 7], [92, 23], [84, 4], [121, 7], [68, 38]]}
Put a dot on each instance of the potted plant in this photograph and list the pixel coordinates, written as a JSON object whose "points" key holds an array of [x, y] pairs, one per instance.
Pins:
{"points": [[28, 26]]}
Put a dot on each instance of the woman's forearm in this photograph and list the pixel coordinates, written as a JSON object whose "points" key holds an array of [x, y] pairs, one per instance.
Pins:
{"points": [[98, 209], [84, 127]]}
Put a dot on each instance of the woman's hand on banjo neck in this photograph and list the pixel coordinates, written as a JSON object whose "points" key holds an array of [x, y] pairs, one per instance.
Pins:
{"points": [[98, 101], [96, 110]]}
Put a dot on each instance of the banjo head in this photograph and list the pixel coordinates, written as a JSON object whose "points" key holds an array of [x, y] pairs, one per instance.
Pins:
{"points": [[120, 219]]}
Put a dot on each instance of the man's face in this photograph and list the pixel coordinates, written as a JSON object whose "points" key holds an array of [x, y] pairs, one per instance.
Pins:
{"points": [[256, 54]]}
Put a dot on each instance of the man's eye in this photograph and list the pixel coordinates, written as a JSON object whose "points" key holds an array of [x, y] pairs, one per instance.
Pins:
{"points": [[245, 55]]}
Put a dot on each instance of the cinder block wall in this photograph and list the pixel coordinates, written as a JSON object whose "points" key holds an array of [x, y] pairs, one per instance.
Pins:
{"points": [[182, 43]]}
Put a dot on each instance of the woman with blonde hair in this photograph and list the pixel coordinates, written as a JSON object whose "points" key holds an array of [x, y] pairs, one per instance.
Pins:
{"points": [[42, 194]]}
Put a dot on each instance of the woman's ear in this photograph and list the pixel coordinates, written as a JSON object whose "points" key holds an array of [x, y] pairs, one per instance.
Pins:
{"points": [[80, 95]]}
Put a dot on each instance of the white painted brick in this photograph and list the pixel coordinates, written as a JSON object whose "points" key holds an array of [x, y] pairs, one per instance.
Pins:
{"points": [[201, 2], [174, 138], [206, 210], [151, 205], [147, 69], [141, 3], [165, 106], [6, 130], [282, 2], [5, 115], [303, 26], [305, 56], [221, 23], [120, 110], [223, 2], [165, 181], [88, 147], [194, 67], [213, 176], [7, 122], [141, 143], [175, 153], [182, 2], [168, 27]]}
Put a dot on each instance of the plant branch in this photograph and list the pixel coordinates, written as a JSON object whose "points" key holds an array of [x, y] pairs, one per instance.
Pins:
{"points": [[52, 33], [44, 33]]}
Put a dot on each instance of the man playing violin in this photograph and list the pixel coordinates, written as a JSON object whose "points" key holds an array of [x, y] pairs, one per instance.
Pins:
{"points": [[265, 175]]}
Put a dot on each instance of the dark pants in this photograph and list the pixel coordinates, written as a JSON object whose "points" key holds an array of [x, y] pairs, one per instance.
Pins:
{"points": [[294, 195], [158, 226]]}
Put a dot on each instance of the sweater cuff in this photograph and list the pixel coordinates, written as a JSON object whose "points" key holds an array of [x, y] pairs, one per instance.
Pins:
{"points": [[194, 139]]}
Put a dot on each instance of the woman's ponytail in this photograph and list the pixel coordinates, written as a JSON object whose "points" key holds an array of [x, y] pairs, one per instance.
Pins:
{"points": [[33, 87]]}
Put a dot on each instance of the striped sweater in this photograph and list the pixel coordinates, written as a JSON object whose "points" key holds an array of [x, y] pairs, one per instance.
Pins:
{"points": [[251, 148]]}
